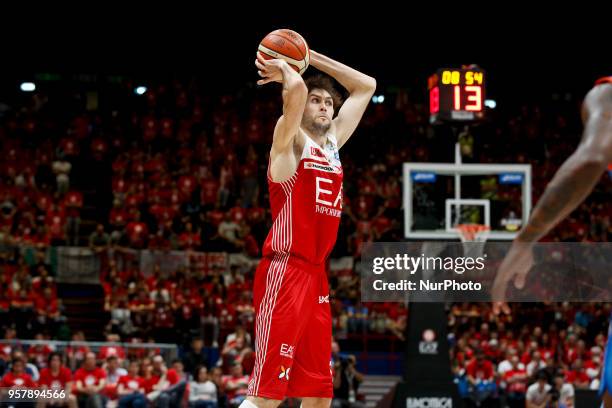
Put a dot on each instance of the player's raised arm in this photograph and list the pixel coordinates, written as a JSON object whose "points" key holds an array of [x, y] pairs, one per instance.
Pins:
{"points": [[581, 171], [294, 99], [360, 86]]}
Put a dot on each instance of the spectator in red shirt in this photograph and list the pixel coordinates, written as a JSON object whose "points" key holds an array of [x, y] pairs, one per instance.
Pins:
{"points": [[56, 223], [163, 323], [516, 383], [47, 307], [170, 388], [112, 350], [593, 365], [141, 309], [238, 212], [30, 369], [190, 239], [577, 376], [76, 354], [17, 377], [186, 184], [145, 368], [57, 377], [479, 369], [39, 354], [235, 385], [90, 380], [73, 204], [137, 234], [255, 214], [210, 191], [236, 351], [6, 294], [480, 377], [131, 388], [251, 247]]}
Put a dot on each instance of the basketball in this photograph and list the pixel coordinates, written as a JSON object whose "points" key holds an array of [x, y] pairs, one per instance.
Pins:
{"points": [[288, 45]]}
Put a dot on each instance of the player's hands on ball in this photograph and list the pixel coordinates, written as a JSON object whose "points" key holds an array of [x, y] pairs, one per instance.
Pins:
{"points": [[270, 70], [515, 267]]}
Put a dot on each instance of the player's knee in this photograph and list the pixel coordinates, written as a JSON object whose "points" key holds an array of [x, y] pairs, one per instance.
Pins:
{"points": [[316, 402], [258, 402]]}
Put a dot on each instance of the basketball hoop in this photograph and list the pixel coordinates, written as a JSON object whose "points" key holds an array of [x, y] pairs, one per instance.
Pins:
{"points": [[473, 237]]}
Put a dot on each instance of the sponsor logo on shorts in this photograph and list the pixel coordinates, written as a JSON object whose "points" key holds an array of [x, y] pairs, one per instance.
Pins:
{"points": [[284, 373], [324, 299], [287, 350]]}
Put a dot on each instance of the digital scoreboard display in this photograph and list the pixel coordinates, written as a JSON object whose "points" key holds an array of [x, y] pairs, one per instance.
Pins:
{"points": [[457, 95]]}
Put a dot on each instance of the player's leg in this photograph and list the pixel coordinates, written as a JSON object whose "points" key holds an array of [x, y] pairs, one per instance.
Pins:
{"points": [[316, 402], [257, 402], [281, 291], [311, 377]]}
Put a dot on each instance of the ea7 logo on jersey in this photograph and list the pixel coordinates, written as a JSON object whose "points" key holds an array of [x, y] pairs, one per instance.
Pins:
{"points": [[317, 153], [284, 373], [323, 299], [323, 196], [287, 350]]}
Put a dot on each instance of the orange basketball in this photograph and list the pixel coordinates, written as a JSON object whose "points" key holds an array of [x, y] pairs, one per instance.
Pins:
{"points": [[288, 45]]}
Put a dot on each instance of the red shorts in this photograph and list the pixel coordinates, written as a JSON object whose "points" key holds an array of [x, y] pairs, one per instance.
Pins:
{"points": [[293, 330]]}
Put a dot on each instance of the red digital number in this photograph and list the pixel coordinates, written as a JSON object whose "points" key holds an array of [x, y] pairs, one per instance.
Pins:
{"points": [[457, 95], [474, 98], [434, 100]]}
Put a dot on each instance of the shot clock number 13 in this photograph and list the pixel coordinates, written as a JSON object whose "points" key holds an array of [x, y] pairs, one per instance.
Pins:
{"points": [[456, 95]]}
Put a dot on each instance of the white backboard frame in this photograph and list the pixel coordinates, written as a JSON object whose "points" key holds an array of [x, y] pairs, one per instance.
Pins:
{"points": [[457, 170]]}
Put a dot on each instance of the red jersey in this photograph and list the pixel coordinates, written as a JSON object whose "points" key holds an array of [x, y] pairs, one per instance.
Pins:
{"points": [[238, 385], [90, 377], [107, 351], [132, 383], [306, 208], [518, 386], [59, 381], [11, 380], [482, 371]]}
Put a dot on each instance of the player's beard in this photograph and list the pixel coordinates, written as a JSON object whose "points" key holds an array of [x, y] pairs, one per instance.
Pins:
{"points": [[314, 127]]}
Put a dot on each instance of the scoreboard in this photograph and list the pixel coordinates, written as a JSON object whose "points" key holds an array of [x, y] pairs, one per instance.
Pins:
{"points": [[457, 94]]}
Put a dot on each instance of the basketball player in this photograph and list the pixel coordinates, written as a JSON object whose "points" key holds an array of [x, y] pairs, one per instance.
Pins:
{"points": [[569, 187], [293, 333]]}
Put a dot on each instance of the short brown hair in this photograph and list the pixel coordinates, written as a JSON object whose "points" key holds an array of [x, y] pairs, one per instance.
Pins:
{"points": [[320, 81]]}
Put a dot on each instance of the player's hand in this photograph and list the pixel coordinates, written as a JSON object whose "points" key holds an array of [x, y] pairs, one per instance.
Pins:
{"points": [[270, 70], [515, 267]]}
